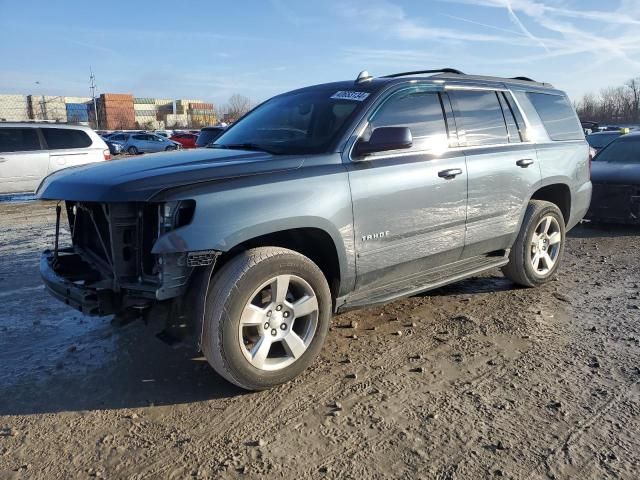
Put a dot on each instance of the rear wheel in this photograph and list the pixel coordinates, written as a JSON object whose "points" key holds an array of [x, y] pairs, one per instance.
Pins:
{"points": [[132, 150], [266, 316], [537, 251]]}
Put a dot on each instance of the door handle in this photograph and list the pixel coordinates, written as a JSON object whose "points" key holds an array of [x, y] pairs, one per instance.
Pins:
{"points": [[450, 173], [2, 159], [524, 163]]}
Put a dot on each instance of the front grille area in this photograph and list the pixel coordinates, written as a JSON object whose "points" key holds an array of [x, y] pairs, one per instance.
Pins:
{"points": [[116, 240], [113, 237]]}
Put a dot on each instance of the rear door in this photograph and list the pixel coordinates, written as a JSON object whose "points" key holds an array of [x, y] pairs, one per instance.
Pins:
{"points": [[67, 147], [408, 217], [502, 166], [23, 162]]}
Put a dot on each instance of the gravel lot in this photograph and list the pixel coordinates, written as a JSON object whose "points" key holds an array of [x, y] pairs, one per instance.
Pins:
{"points": [[475, 380]]}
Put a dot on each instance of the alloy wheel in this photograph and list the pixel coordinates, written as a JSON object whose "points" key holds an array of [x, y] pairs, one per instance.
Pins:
{"points": [[545, 245], [278, 323]]}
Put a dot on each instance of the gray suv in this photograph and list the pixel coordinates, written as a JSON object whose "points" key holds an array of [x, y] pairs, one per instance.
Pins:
{"points": [[319, 200]]}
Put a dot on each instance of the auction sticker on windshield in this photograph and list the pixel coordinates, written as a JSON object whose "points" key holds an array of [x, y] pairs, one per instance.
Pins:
{"points": [[350, 95]]}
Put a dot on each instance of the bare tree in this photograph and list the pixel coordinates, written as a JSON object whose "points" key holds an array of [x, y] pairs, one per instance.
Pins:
{"points": [[618, 105], [237, 106]]}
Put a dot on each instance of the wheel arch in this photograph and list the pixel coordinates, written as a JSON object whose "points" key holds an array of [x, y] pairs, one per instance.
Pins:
{"points": [[557, 193], [312, 242]]}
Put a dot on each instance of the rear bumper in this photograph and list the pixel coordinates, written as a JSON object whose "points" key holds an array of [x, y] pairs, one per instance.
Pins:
{"points": [[58, 275], [581, 199]]}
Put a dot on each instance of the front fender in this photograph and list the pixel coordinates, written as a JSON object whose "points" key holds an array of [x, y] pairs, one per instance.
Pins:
{"points": [[243, 210]]}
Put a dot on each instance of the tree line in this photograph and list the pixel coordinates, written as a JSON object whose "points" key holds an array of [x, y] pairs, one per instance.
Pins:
{"points": [[617, 105]]}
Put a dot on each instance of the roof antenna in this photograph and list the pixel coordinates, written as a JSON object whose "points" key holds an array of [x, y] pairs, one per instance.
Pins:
{"points": [[363, 76]]}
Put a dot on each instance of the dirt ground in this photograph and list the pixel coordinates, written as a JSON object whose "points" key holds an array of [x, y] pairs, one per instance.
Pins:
{"points": [[476, 380]]}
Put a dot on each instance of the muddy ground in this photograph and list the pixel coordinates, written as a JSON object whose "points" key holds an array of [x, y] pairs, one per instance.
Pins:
{"points": [[476, 380]]}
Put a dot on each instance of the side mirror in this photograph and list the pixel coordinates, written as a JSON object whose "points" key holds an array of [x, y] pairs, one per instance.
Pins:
{"points": [[384, 139]]}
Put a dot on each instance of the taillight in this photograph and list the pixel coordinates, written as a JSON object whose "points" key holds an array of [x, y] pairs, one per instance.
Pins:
{"points": [[592, 154], [107, 154]]}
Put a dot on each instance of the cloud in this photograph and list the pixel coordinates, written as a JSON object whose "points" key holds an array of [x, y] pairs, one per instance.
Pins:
{"points": [[392, 21]]}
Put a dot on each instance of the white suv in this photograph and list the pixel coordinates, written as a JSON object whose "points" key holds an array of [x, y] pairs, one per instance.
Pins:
{"points": [[31, 151]]}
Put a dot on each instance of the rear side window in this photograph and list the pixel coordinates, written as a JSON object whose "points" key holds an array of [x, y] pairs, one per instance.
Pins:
{"points": [[421, 112], [481, 118], [140, 137], [559, 119], [19, 140], [61, 138]]}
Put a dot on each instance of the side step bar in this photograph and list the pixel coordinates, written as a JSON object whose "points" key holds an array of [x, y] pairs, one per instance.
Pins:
{"points": [[429, 280]]}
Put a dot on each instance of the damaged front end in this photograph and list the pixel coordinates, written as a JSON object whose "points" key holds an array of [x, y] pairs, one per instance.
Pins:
{"points": [[109, 268]]}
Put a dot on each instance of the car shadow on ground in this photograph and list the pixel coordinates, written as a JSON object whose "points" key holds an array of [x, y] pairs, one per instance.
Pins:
{"points": [[604, 230], [123, 368], [475, 285]]}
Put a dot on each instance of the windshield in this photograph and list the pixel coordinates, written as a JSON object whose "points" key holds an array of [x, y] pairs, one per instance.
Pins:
{"points": [[296, 123], [624, 150], [601, 140]]}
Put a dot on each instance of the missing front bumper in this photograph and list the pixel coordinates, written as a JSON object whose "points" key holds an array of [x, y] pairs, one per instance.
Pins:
{"points": [[66, 275]]}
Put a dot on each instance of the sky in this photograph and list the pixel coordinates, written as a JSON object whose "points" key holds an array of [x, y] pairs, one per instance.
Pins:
{"points": [[210, 50]]}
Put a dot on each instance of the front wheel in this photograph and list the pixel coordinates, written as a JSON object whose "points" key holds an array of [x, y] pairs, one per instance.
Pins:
{"points": [[132, 150], [537, 251], [266, 317]]}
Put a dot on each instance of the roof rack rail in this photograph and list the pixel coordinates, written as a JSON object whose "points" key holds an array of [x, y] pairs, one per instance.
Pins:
{"points": [[524, 79], [418, 72]]}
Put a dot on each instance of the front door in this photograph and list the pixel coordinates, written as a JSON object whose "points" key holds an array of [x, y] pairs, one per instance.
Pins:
{"points": [[409, 206]]}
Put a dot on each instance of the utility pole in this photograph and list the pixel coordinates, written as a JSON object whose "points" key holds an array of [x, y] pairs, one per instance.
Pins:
{"points": [[92, 87]]}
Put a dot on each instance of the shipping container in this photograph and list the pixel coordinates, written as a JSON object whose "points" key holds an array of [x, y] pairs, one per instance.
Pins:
{"points": [[77, 112], [126, 97], [144, 100], [14, 108], [69, 100]]}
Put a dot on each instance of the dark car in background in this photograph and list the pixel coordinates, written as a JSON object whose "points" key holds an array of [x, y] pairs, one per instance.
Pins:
{"points": [[599, 140], [616, 182], [209, 135]]}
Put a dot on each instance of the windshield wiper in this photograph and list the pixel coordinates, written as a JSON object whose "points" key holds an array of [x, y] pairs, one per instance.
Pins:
{"points": [[244, 146]]}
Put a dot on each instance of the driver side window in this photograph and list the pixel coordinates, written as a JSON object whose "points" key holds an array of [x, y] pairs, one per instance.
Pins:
{"points": [[418, 110]]}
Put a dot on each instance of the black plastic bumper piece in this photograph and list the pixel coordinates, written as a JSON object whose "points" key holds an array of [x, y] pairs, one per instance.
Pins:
{"points": [[59, 276]]}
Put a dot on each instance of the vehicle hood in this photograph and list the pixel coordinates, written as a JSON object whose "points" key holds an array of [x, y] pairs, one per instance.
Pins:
{"points": [[615, 173], [142, 178]]}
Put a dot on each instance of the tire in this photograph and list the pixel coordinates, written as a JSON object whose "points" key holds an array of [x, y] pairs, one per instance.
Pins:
{"points": [[521, 267], [169, 149], [232, 337], [132, 150]]}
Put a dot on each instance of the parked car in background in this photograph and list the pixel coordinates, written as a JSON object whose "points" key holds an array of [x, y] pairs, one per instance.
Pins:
{"points": [[163, 133], [115, 148], [31, 151], [209, 135], [134, 143], [187, 140], [589, 127], [323, 199], [599, 140], [615, 174]]}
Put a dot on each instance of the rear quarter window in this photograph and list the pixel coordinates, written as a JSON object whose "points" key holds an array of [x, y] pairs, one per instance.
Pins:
{"points": [[557, 115], [19, 140], [63, 138]]}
